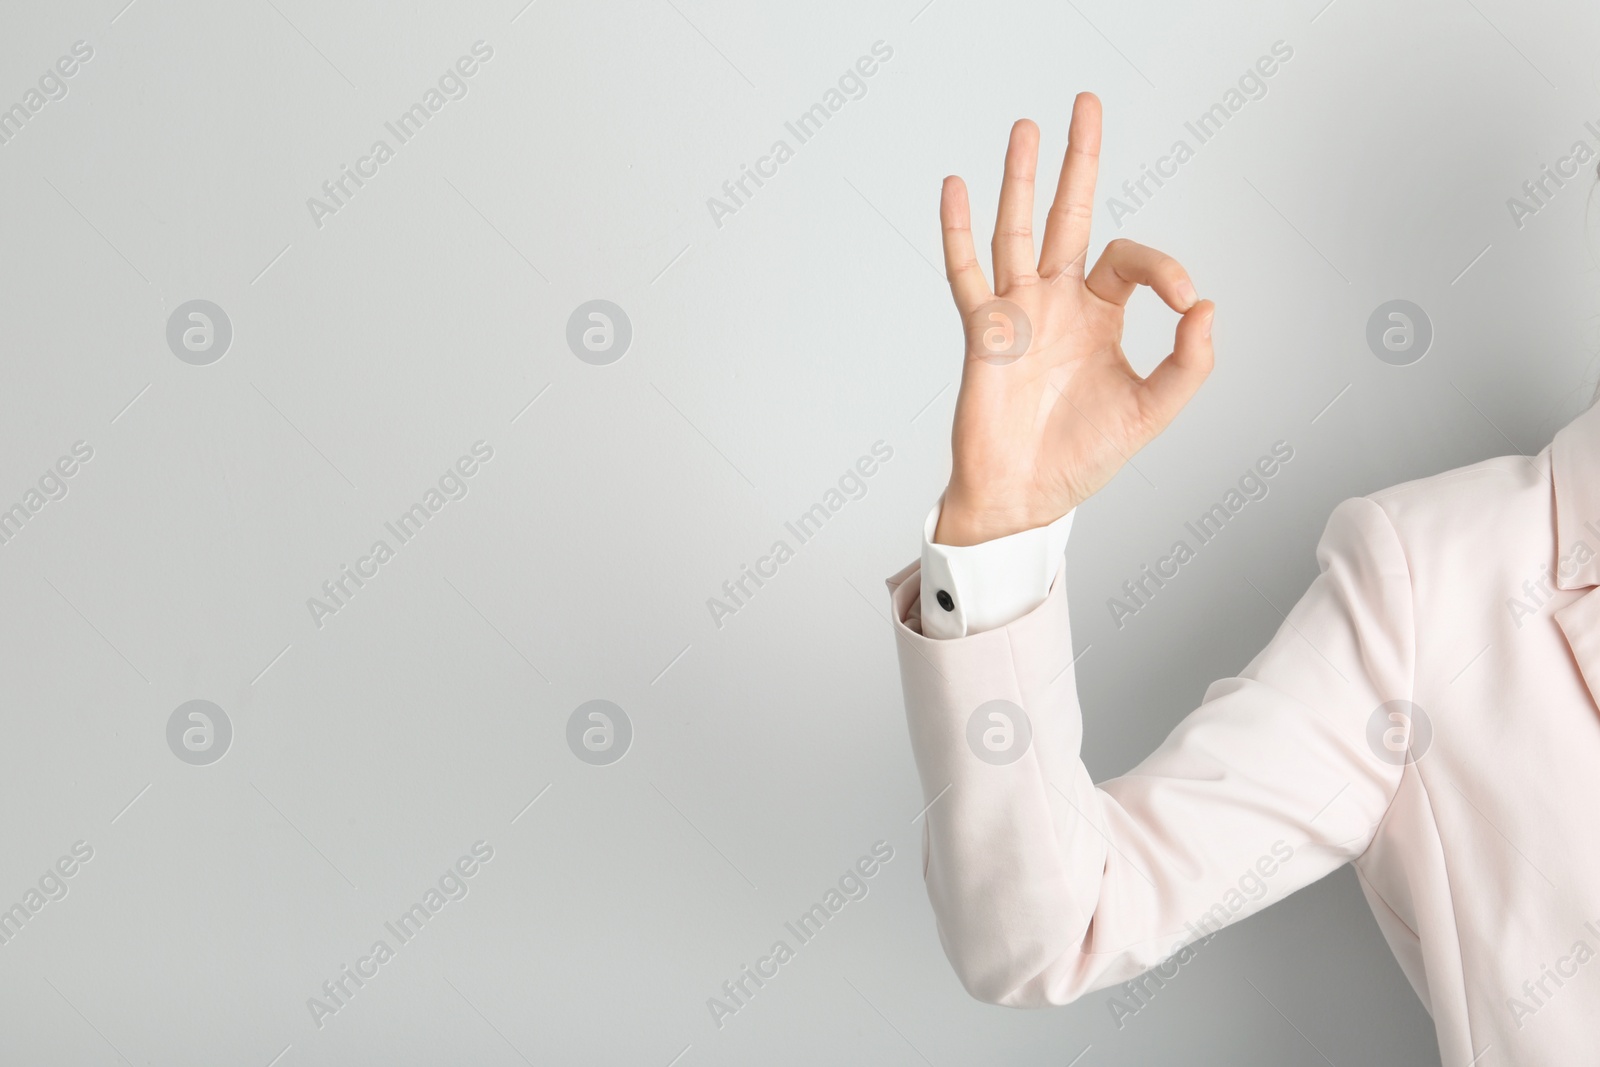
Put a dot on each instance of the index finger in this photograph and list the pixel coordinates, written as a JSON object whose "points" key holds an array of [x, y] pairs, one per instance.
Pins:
{"points": [[1066, 231], [1125, 265], [961, 265]]}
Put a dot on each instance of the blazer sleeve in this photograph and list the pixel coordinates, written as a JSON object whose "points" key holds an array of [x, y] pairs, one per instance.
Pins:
{"points": [[1046, 886]]}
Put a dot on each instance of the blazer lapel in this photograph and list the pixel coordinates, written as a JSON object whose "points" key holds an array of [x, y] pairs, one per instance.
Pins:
{"points": [[1575, 480], [1580, 622]]}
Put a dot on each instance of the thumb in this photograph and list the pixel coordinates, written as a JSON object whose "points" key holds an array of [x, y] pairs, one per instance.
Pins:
{"points": [[1168, 388]]}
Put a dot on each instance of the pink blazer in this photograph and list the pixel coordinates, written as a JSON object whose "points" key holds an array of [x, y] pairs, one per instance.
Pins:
{"points": [[1473, 823]]}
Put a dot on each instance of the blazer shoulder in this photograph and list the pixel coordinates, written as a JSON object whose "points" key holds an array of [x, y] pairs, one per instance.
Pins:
{"points": [[1481, 523], [1482, 496]]}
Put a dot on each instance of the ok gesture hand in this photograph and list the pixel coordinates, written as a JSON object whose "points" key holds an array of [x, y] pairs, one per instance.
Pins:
{"points": [[1049, 408]]}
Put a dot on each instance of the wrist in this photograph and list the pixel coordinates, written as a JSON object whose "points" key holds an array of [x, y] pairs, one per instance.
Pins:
{"points": [[964, 522]]}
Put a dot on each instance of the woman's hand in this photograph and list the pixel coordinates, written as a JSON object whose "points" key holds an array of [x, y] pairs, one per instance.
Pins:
{"points": [[1049, 408]]}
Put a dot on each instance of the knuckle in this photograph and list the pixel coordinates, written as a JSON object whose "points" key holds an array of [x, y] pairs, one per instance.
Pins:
{"points": [[964, 267], [1074, 210]]}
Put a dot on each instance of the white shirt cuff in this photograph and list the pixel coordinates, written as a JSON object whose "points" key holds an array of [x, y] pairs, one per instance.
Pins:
{"points": [[973, 588]]}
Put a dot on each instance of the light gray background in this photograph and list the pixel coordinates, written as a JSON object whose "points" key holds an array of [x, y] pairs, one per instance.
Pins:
{"points": [[768, 354]]}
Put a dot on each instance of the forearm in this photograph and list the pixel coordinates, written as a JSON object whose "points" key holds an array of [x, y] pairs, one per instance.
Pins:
{"points": [[1047, 886], [1013, 888]]}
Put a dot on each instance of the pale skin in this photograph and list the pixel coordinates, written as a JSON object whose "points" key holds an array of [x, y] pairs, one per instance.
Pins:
{"points": [[1036, 436]]}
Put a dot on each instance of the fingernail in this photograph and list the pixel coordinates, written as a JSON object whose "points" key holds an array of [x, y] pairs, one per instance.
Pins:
{"points": [[1205, 329], [1187, 294]]}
